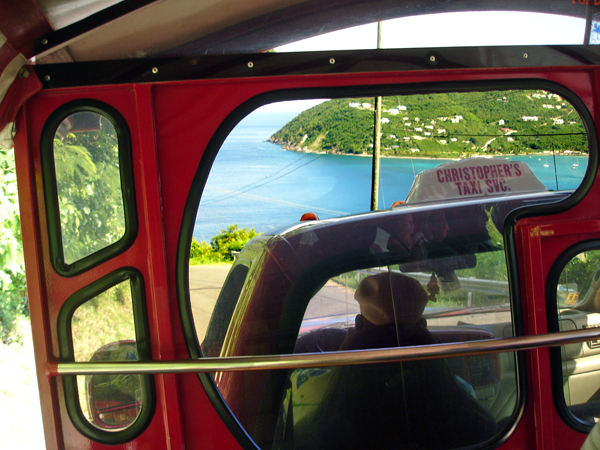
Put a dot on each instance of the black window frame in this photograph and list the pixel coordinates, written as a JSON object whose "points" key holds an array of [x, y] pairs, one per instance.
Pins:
{"points": [[205, 166], [67, 354], [50, 188], [553, 319]]}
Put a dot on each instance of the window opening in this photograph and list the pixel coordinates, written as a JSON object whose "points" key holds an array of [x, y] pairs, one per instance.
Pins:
{"points": [[86, 158], [454, 165], [106, 321], [578, 306], [384, 307], [88, 185], [103, 330]]}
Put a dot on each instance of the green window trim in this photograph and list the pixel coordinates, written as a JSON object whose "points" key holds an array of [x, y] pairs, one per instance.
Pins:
{"points": [[50, 187], [142, 339], [553, 319]]}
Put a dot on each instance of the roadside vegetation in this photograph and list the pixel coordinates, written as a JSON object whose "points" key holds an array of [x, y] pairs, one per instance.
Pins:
{"points": [[222, 247], [19, 397], [13, 290]]}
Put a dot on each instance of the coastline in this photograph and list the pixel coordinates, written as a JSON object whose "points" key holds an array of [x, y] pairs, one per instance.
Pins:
{"points": [[286, 146]]}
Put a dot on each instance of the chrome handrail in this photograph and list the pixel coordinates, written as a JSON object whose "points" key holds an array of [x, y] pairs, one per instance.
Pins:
{"points": [[328, 359]]}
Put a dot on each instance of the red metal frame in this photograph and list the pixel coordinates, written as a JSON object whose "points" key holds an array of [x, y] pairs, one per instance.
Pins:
{"points": [[171, 124]]}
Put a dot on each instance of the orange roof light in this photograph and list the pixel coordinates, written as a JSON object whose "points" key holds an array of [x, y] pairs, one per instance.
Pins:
{"points": [[308, 216]]}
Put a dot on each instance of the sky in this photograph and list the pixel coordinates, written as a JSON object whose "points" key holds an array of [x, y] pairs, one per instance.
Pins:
{"points": [[444, 30], [452, 30]]}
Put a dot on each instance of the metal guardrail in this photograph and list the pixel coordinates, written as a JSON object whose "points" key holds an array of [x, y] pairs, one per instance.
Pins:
{"points": [[490, 287]]}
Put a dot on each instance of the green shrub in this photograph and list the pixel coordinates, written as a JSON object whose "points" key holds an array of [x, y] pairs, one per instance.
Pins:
{"points": [[199, 249], [231, 239]]}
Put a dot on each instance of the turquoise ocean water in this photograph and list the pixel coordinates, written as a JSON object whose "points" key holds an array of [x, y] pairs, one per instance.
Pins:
{"points": [[256, 184]]}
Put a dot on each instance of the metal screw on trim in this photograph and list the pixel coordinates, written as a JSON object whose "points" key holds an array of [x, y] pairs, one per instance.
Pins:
{"points": [[46, 77], [45, 41], [155, 70], [525, 55], [331, 61], [250, 64], [24, 72]]}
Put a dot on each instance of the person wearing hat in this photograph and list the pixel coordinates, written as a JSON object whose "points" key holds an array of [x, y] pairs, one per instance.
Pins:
{"points": [[391, 313], [400, 405]]}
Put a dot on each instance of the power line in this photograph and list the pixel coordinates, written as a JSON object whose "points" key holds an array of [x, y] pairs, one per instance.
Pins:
{"points": [[260, 185], [243, 188], [512, 135], [298, 206]]}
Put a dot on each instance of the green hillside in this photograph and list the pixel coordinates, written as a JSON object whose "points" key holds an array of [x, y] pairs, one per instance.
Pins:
{"points": [[441, 125]]}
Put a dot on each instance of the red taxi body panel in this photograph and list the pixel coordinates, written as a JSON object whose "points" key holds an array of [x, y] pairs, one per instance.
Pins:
{"points": [[168, 148]]}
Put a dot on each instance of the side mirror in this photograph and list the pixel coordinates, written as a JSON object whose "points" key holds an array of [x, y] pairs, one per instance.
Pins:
{"points": [[114, 401]]}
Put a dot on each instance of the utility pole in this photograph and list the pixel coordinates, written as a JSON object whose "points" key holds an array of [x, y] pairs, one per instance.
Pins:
{"points": [[376, 138]]}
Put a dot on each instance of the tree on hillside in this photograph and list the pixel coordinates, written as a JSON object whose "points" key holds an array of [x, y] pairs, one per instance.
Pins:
{"points": [[346, 125]]}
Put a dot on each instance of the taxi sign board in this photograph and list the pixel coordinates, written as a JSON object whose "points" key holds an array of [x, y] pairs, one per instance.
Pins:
{"points": [[473, 177]]}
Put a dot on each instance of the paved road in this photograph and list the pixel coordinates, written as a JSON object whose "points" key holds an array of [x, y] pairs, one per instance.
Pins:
{"points": [[205, 284], [332, 300]]}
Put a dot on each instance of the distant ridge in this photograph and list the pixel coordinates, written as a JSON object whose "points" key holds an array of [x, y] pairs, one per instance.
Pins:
{"points": [[445, 125]]}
